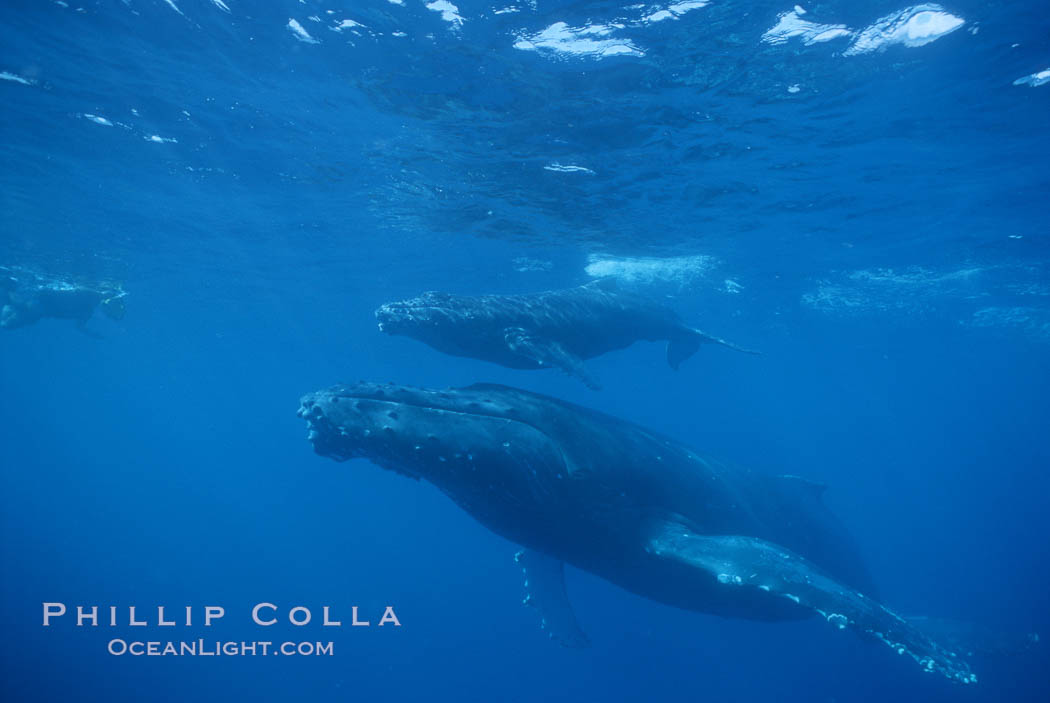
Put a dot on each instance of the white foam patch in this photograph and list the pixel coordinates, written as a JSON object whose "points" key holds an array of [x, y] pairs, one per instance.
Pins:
{"points": [[678, 269], [915, 26], [675, 11], [173, 6], [396, 2], [98, 119], [1033, 321], [161, 140], [914, 277], [593, 40], [680, 8], [221, 5], [600, 40], [4, 75], [659, 16], [300, 33], [567, 168], [449, 12], [1036, 79], [1030, 288], [346, 24], [506, 10], [790, 25], [525, 264], [914, 290]]}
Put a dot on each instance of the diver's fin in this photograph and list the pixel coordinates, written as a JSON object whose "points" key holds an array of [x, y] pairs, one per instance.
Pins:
{"points": [[684, 345], [545, 591], [752, 563], [548, 353]]}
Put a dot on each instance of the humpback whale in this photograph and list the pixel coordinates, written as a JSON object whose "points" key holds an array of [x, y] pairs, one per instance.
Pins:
{"points": [[559, 329], [573, 485]]}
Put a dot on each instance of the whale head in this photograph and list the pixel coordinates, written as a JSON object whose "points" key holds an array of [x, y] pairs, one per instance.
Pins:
{"points": [[419, 317], [463, 440]]}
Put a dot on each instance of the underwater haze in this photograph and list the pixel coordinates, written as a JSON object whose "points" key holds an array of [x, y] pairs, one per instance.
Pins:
{"points": [[859, 190]]}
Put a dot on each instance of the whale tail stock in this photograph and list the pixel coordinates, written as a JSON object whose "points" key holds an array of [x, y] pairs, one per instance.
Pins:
{"points": [[685, 344]]}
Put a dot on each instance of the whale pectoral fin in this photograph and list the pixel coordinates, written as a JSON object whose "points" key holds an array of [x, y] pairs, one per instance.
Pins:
{"points": [[547, 352], [976, 638], [545, 591], [751, 563]]}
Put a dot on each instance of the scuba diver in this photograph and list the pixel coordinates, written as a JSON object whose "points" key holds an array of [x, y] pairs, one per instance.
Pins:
{"points": [[28, 298]]}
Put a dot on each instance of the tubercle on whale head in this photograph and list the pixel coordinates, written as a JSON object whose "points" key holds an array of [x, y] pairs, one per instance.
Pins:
{"points": [[420, 433], [343, 426], [393, 318], [415, 316]]}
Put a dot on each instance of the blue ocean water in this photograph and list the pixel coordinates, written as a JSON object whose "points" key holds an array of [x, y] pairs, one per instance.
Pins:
{"points": [[858, 189]]}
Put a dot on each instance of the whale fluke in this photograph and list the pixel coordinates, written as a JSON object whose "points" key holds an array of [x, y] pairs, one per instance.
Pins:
{"points": [[685, 345]]}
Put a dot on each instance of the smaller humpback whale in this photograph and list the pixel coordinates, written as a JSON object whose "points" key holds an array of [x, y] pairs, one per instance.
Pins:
{"points": [[558, 328], [572, 485]]}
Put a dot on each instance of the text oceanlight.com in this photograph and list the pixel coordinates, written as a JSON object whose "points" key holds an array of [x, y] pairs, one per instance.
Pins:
{"points": [[201, 648]]}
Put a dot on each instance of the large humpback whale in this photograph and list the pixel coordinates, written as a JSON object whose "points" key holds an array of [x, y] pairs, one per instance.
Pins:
{"points": [[572, 485], [558, 328]]}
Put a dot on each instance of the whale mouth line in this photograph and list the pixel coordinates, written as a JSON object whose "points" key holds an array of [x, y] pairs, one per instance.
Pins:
{"points": [[410, 309], [399, 320], [408, 312], [465, 412]]}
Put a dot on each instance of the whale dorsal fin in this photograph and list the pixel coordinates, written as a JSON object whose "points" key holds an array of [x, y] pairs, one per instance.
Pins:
{"points": [[486, 386], [545, 591], [807, 486], [759, 569]]}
